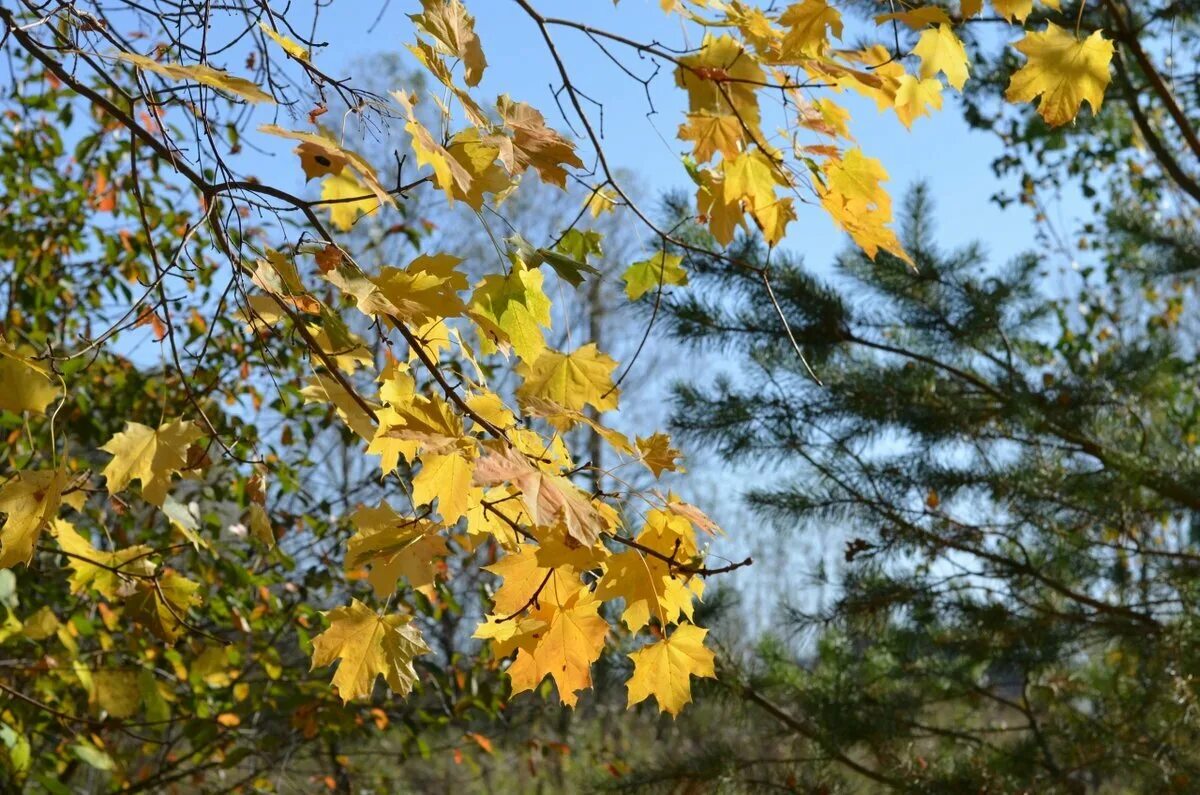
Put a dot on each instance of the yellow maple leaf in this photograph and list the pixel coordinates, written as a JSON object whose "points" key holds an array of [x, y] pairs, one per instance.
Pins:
{"points": [[524, 577], [149, 455], [647, 584], [322, 388], [27, 386], [601, 200], [394, 546], [1064, 71], [854, 197], [200, 73], [712, 133], [446, 478], [916, 18], [511, 310], [940, 50], [809, 24], [116, 692], [751, 178], [368, 646], [658, 455], [346, 199], [722, 216], [572, 380], [722, 79], [424, 291], [41, 625], [565, 650], [453, 29], [31, 500], [479, 159], [664, 669], [1012, 10], [108, 572], [650, 274], [915, 98], [289, 46]]}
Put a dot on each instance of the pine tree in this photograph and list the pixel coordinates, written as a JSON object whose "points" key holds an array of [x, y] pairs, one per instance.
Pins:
{"points": [[1014, 478]]}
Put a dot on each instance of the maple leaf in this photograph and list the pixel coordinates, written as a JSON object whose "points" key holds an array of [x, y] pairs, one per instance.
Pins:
{"points": [[116, 692], [478, 158], [289, 46], [449, 24], [27, 386], [712, 133], [969, 8], [940, 50], [322, 388], [809, 24], [149, 455], [161, 605], [30, 499], [647, 584], [649, 274], [917, 18], [569, 258], [446, 478], [565, 649], [533, 144], [523, 577], [346, 199], [511, 310], [426, 290], [318, 161], [914, 98], [368, 646], [436, 64], [601, 200], [394, 546], [855, 198], [657, 454], [722, 216], [110, 573], [721, 79], [1064, 71], [751, 178], [41, 625], [1011, 10], [665, 669], [200, 73], [572, 380]]}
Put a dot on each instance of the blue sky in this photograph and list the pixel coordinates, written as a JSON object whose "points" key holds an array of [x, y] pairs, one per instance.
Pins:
{"points": [[940, 149]]}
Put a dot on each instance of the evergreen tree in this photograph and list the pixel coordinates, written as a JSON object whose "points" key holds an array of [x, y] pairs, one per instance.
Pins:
{"points": [[1014, 478]]}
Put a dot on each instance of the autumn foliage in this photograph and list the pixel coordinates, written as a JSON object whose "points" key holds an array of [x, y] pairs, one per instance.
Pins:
{"points": [[441, 370]]}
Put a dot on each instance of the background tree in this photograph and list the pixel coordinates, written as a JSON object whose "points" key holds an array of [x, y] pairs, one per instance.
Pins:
{"points": [[1014, 488]]}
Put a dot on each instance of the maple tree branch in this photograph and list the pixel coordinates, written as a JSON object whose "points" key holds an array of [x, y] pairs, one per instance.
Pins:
{"points": [[114, 569], [183, 622], [674, 565], [415, 345], [573, 95], [77, 719]]}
